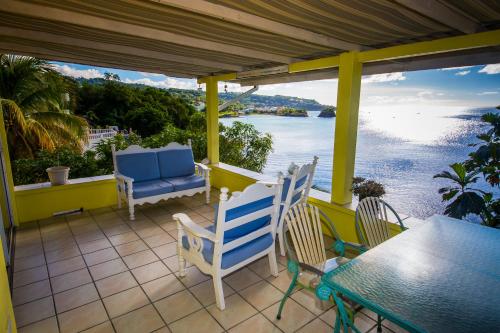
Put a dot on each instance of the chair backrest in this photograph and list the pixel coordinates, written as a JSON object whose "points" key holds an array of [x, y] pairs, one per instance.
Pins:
{"points": [[297, 185], [173, 160], [304, 224], [372, 221], [249, 215]]}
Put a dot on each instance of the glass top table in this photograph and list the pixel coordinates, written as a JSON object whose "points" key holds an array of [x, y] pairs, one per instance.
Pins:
{"points": [[442, 276]]}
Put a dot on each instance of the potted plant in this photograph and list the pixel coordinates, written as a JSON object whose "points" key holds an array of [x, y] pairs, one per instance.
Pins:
{"points": [[363, 188], [58, 174]]}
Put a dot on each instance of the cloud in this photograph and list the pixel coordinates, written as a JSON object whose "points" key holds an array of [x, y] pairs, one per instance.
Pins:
{"points": [[455, 68], [488, 93], [490, 69], [386, 77], [462, 73], [77, 73], [166, 83], [151, 74]]}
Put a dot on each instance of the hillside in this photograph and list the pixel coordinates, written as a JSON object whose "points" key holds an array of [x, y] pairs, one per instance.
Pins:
{"points": [[252, 102]]}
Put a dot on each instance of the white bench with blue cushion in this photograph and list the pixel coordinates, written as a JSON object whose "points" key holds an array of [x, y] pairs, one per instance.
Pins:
{"points": [[147, 175], [244, 232]]}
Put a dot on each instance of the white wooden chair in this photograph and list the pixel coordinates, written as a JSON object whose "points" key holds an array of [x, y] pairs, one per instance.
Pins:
{"points": [[296, 189], [371, 221], [244, 232]]}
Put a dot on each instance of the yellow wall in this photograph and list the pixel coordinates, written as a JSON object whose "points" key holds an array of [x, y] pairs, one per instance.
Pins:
{"points": [[41, 203], [6, 310]]}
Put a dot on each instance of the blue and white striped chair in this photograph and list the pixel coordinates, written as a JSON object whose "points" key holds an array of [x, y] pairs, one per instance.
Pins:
{"points": [[296, 189], [244, 232]]}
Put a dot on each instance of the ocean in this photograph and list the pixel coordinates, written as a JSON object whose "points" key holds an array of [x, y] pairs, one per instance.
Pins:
{"points": [[402, 148]]}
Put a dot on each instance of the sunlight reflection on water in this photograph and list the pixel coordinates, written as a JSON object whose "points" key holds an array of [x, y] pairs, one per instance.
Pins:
{"points": [[402, 150]]}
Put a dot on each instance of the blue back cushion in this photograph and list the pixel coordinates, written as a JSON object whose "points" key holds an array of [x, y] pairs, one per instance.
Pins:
{"points": [[176, 163], [286, 187], [140, 166], [251, 226]]}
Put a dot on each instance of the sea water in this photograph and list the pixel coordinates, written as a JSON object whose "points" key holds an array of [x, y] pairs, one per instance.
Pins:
{"points": [[402, 148]]}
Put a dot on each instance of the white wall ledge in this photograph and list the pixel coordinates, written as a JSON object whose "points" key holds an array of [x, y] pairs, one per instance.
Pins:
{"points": [[74, 181]]}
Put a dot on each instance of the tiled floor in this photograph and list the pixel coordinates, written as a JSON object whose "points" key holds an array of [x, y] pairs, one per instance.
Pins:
{"points": [[99, 272]]}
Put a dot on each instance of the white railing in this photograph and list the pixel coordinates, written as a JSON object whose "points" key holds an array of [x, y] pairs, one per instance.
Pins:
{"points": [[96, 135]]}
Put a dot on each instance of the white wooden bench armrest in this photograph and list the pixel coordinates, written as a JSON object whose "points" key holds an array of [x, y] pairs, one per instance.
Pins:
{"points": [[185, 223], [123, 177], [202, 166], [266, 182]]}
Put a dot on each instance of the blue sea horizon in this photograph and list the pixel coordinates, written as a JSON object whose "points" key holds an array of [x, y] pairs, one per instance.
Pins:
{"points": [[401, 148]]}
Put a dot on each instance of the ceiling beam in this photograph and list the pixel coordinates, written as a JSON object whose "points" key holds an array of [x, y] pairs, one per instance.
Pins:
{"points": [[442, 14], [257, 22], [125, 28], [51, 55], [43, 37]]}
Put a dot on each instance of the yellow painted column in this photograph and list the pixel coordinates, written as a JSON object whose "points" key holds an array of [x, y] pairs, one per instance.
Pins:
{"points": [[346, 127], [212, 107]]}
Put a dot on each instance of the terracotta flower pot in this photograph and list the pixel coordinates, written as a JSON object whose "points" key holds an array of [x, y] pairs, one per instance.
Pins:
{"points": [[58, 175]]}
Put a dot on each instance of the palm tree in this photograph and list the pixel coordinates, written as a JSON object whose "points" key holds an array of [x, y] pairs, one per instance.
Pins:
{"points": [[33, 98], [466, 200]]}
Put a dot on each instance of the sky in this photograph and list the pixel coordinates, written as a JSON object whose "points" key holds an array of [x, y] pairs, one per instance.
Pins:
{"points": [[470, 86]]}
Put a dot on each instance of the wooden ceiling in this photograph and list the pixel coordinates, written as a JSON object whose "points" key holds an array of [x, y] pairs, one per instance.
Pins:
{"points": [[198, 38]]}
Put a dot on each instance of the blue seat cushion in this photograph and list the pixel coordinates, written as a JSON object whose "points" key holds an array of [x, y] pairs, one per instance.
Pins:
{"points": [[186, 182], [140, 166], [176, 163], [237, 255], [150, 188]]}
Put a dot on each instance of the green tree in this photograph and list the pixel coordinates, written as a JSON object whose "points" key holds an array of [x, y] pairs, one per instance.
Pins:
{"points": [[146, 120], [33, 99], [463, 197]]}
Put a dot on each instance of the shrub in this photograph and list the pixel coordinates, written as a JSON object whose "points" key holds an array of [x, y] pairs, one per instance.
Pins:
{"points": [[30, 171], [364, 188]]}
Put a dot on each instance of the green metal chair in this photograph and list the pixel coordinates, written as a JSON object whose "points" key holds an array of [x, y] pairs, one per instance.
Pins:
{"points": [[307, 260]]}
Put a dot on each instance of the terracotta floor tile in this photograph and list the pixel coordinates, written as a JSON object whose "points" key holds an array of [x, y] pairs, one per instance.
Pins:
{"points": [[329, 316], [31, 292], [84, 228], [316, 326], [177, 306], [193, 277], [204, 292], [29, 262], [293, 317], [125, 301], [30, 275], [140, 259], [123, 238], [310, 301], [75, 297], [82, 318], [282, 282], [70, 280], [116, 229], [115, 284], [142, 320], [108, 268], [59, 244], [100, 256], [150, 272], [261, 295], [61, 254], [173, 263], [105, 327], [30, 250], [34, 311], [236, 311], [201, 319], [48, 325], [166, 250], [255, 324], [162, 287], [150, 231], [66, 266], [131, 247], [261, 267], [94, 246], [242, 279], [89, 236], [158, 240]]}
